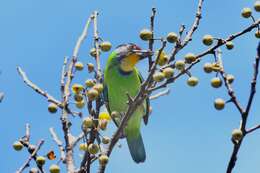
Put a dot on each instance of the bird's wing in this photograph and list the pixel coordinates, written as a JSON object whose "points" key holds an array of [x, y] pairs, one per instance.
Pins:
{"points": [[106, 101], [147, 104]]}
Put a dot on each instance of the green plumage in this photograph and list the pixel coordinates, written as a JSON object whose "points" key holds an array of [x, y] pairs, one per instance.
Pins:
{"points": [[117, 85]]}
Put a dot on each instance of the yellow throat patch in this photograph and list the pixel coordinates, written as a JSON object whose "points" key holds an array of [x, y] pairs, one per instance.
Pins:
{"points": [[128, 63]]}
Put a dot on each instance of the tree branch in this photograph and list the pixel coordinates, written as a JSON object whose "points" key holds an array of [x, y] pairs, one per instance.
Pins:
{"points": [[37, 89], [162, 93], [32, 156], [151, 41], [199, 56], [244, 116], [59, 143], [188, 37], [66, 94]]}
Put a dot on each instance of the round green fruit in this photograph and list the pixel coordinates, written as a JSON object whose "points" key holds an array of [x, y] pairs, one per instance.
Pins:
{"points": [[34, 170], [172, 37], [92, 94], [87, 122], [52, 108], [216, 82], [257, 34], [89, 83], [103, 160], [83, 146], [207, 67], [207, 40], [103, 124], [189, 58], [246, 12], [17, 145], [237, 134], [99, 87], [105, 140], [192, 81], [77, 88], [54, 169], [219, 104], [229, 45], [163, 58], [146, 34], [230, 78], [180, 65], [105, 46], [168, 72], [79, 66], [257, 6], [158, 76], [40, 160], [93, 148], [91, 67], [115, 114]]}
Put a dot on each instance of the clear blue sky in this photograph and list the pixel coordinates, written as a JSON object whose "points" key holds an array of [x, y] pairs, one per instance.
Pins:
{"points": [[185, 133]]}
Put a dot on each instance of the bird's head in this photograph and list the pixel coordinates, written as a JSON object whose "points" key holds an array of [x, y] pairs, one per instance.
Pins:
{"points": [[128, 55]]}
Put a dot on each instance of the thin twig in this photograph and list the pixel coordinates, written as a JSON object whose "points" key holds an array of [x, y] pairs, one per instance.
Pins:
{"points": [[162, 93], [78, 138], [63, 74], [59, 143], [66, 94], [87, 159], [228, 86], [33, 154], [199, 56], [27, 132], [252, 129], [253, 83], [96, 44], [151, 41], [82, 37], [37, 89], [245, 114], [188, 37]]}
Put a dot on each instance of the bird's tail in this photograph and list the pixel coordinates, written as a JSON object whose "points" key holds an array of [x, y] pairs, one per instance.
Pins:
{"points": [[136, 147]]}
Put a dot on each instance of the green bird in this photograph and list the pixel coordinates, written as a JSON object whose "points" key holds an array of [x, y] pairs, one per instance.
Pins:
{"points": [[122, 77]]}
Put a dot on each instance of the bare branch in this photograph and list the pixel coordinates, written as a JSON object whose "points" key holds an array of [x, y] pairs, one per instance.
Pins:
{"points": [[151, 41], [244, 115], [59, 143], [37, 89], [27, 132], [211, 50], [78, 138], [86, 162], [162, 93], [96, 39], [188, 37], [253, 84], [82, 37], [33, 154], [63, 74], [228, 86], [252, 129], [66, 94]]}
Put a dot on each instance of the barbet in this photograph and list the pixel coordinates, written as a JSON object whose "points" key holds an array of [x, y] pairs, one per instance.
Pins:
{"points": [[122, 77]]}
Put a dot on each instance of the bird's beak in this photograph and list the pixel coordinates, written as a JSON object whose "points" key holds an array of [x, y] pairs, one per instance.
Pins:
{"points": [[143, 53]]}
